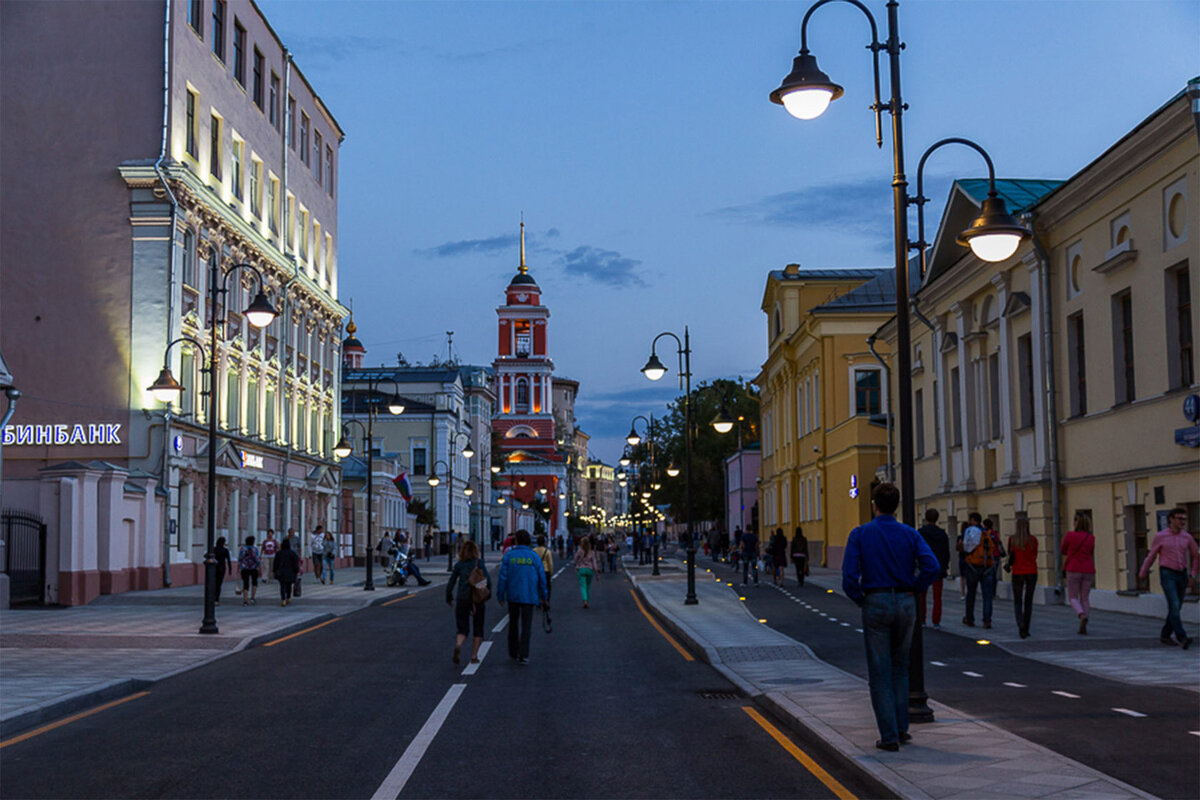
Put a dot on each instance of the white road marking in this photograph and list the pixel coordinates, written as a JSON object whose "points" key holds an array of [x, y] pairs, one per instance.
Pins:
{"points": [[393, 784], [845, 624], [822, 613], [1194, 733], [972, 674], [1065, 694], [1129, 712], [500, 625], [1014, 685], [833, 619], [937, 663], [483, 651], [858, 630]]}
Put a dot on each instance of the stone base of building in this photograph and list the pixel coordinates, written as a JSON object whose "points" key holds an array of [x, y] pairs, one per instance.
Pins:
{"points": [[1143, 605]]}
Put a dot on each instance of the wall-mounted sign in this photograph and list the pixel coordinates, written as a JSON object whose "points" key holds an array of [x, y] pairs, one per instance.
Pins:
{"points": [[1191, 407], [62, 434], [177, 443], [252, 460], [853, 487]]}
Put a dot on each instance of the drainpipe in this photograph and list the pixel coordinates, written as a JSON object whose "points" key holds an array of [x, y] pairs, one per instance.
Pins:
{"points": [[1193, 92], [887, 371], [1051, 391], [286, 418]]}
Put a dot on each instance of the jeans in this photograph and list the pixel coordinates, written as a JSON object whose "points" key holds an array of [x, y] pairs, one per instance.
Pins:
{"points": [[412, 567], [749, 563], [329, 566], [1022, 588], [937, 603], [585, 575], [975, 576], [520, 626], [1174, 584], [801, 564], [887, 628]]}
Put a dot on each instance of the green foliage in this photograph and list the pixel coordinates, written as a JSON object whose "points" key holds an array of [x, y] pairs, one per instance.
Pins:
{"points": [[422, 510]]}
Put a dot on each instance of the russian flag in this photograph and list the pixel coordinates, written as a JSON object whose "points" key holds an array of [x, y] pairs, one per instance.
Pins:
{"points": [[403, 486]]}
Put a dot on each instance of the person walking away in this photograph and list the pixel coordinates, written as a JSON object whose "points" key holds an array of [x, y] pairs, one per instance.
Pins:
{"points": [[939, 542], [521, 584], [1178, 559], [1022, 563], [287, 569], [384, 546], [428, 545], [962, 561], [316, 550], [736, 551], [885, 563], [547, 561], [221, 554], [330, 554], [585, 568], [1078, 546], [749, 556], [798, 549], [779, 556], [612, 548], [270, 547], [983, 553], [249, 564], [468, 614]]}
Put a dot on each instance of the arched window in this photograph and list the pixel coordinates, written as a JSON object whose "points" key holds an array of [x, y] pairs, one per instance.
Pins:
{"points": [[522, 396]]}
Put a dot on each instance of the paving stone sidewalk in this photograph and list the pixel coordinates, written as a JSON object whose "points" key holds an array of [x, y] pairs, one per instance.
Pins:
{"points": [[955, 757]]}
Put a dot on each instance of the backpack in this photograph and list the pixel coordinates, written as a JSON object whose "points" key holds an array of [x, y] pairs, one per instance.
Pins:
{"points": [[971, 537], [248, 558], [477, 580]]}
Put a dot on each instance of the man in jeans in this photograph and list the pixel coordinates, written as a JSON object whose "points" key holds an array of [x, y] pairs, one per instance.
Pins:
{"points": [[885, 563], [521, 584], [939, 543], [1178, 556], [749, 556]]}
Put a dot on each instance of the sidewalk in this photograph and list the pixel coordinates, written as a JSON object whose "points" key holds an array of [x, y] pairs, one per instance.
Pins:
{"points": [[955, 757], [55, 661]]}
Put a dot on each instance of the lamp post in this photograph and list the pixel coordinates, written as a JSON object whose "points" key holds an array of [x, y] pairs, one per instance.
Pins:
{"points": [[433, 481], [165, 388], [634, 440], [806, 92]]}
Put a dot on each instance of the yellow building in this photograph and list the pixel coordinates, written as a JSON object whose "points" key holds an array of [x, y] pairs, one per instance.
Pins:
{"points": [[823, 402], [1053, 382]]}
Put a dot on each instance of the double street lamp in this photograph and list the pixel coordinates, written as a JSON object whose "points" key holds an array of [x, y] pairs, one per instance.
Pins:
{"points": [[166, 389], [806, 92], [634, 440]]}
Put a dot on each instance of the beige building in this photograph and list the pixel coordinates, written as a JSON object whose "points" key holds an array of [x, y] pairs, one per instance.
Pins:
{"points": [[823, 403], [1053, 383]]}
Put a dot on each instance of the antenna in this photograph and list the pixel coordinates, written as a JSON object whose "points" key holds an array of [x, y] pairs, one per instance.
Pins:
{"points": [[449, 347]]}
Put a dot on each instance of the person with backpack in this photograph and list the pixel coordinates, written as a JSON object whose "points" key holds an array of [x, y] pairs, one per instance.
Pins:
{"points": [[1078, 546], [521, 585], [473, 583], [287, 569], [316, 550], [249, 564], [983, 550], [547, 561]]}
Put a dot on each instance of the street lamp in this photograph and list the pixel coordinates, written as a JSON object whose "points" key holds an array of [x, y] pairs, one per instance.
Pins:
{"points": [[343, 448], [165, 388], [433, 481]]}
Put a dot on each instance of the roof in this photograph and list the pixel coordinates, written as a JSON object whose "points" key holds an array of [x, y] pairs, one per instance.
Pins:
{"points": [[827, 274], [877, 294], [1019, 194], [400, 374], [522, 279]]}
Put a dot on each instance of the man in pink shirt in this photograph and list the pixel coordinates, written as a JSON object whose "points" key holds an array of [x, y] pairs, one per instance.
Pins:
{"points": [[1178, 558]]}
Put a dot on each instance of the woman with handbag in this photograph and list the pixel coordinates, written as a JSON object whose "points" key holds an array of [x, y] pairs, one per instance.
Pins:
{"points": [[1078, 546], [1022, 563], [468, 612]]}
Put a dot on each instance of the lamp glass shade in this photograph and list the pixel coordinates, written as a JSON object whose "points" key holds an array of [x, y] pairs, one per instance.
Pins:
{"points": [[395, 406], [633, 438], [434, 480], [656, 486], [521, 482], [624, 461], [807, 103], [995, 246], [495, 469], [260, 312], [723, 423], [500, 500], [165, 388], [468, 491], [468, 451], [673, 471], [995, 234], [806, 91], [654, 368], [342, 448]]}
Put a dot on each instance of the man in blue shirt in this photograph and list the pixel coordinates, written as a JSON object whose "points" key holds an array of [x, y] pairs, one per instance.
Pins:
{"points": [[885, 564], [521, 584]]}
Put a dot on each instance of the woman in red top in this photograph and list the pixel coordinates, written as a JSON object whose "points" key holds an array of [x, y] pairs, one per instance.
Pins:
{"points": [[1022, 563], [1078, 546]]}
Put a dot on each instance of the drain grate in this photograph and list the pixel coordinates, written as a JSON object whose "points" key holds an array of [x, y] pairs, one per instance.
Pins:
{"points": [[718, 694]]}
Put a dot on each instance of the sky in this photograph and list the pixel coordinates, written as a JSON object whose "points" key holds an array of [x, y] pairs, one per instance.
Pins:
{"points": [[658, 184]]}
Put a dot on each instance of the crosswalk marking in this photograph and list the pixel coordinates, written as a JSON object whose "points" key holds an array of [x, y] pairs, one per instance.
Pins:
{"points": [[1129, 712], [972, 674], [938, 663], [1014, 685], [1065, 694]]}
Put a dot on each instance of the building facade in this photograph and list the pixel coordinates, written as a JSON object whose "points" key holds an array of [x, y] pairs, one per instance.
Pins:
{"points": [[197, 143]]}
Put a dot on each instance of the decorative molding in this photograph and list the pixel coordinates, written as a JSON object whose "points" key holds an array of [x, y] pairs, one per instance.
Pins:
{"points": [[1114, 263], [1018, 303]]}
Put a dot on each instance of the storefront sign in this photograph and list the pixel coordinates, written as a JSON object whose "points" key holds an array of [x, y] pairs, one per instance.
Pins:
{"points": [[252, 460], [62, 434], [853, 487]]}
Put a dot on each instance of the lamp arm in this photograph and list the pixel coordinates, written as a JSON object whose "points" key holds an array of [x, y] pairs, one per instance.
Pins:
{"points": [[875, 46], [185, 338], [347, 422], [920, 199]]}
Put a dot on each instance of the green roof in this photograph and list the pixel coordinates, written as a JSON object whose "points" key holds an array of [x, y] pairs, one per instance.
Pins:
{"points": [[1019, 194]]}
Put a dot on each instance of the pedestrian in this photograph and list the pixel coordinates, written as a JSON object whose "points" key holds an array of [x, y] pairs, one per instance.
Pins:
{"points": [[939, 542], [962, 561], [749, 556], [1022, 563], [547, 561], [316, 550], [1178, 560], [612, 553], [270, 547], [885, 563], [983, 551], [585, 568], [287, 570], [799, 553], [521, 584], [249, 564], [402, 548], [468, 614], [1078, 546], [428, 544], [736, 550], [779, 556], [221, 554], [330, 553], [385, 545]]}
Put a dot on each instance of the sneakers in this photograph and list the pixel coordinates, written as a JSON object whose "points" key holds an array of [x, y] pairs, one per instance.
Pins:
{"points": [[455, 658], [987, 623], [937, 626], [474, 660], [423, 582], [905, 737], [523, 661]]}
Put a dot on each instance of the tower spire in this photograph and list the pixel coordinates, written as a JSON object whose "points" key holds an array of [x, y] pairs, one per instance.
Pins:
{"points": [[523, 269]]}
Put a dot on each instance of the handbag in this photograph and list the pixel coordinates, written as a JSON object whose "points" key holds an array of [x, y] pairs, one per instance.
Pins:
{"points": [[547, 624], [296, 587]]}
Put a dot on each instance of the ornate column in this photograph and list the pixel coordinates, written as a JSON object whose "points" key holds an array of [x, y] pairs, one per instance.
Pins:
{"points": [[1001, 281], [939, 394], [966, 395], [1041, 423]]}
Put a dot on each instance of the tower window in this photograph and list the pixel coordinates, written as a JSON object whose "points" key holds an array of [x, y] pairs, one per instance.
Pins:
{"points": [[524, 335], [522, 396]]}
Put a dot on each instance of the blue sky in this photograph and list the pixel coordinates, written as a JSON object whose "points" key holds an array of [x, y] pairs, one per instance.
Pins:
{"points": [[657, 182]]}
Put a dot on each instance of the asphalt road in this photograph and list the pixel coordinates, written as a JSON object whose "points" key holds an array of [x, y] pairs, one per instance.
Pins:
{"points": [[606, 708], [1065, 710]]}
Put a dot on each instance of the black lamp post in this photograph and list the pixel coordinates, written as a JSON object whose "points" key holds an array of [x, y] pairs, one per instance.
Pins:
{"points": [[433, 480], [259, 313], [634, 440]]}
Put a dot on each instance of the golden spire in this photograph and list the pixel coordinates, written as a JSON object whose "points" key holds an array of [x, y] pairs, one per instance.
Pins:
{"points": [[350, 326], [523, 269]]}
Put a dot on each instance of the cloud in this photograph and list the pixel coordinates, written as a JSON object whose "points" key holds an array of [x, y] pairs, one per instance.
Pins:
{"points": [[494, 245], [601, 266], [339, 48]]}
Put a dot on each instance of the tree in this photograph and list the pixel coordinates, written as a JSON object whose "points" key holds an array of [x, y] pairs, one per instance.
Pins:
{"points": [[422, 511]]}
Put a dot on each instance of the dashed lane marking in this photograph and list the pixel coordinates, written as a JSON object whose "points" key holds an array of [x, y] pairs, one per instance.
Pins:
{"points": [[970, 674], [1065, 694], [397, 600], [686, 655], [1194, 733], [301, 633], [393, 784], [1129, 712], [845, 624], [68, 720], [500, 625], [824, 777], [483, 651], [938, 663], [1014, 685]]}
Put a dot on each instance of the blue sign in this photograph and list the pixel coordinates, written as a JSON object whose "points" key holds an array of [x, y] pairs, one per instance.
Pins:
{"points": [[1191, 407], [1188, 437]]}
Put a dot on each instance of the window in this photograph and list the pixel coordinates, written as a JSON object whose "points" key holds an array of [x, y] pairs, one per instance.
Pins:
{"points": [[291, 122], [329, 169], [273, 102], [1077, 364], [522, 396], [867, 399], [818, 497], [919, 421], [801, 409], [1025, 380], [1181, 370], [955, 409], [289, 223], [257, 87], [778, 323], [1074, 258], [303, 235], [1122, 311], [304, 125], [237, 153], [187, 262], [218, 29], [524, 337], [193, 136], [994, 395], [273, 204], [256, 168], [214, 147], [252, 406], [317, 151], [233, 400], [816, 402], [269, 426], [196, 17], [419, 458], [239, 52]]}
